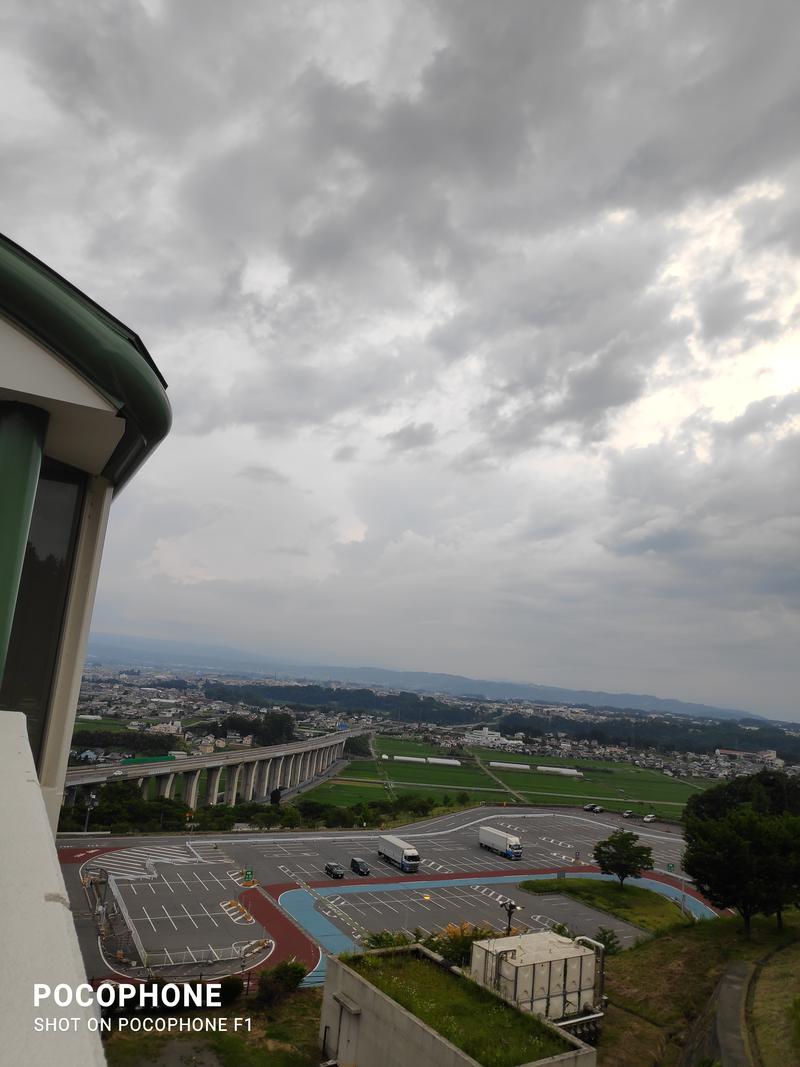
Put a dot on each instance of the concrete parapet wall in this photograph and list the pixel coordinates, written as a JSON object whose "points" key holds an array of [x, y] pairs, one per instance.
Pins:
{"points": [[363, 1027]]}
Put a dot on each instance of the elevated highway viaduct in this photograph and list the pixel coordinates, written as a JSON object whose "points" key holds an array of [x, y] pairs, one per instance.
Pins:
{"points": [[250, 773]]}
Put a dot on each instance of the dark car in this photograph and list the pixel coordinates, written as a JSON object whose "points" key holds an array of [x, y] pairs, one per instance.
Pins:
{"points": [[334, 870], [588, 807], [359, 866], [597, 808]]}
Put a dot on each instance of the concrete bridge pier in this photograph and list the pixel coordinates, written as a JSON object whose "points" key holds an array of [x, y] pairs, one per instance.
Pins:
{"points": [[232, 783], [274, 773], [191, 787], [249, 779], [165, 784], [212, 784], [261, 778]]}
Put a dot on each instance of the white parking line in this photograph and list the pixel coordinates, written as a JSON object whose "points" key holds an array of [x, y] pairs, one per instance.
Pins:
{"points": [[144, 911], [169, 917], [208, 913], [189, 916]]}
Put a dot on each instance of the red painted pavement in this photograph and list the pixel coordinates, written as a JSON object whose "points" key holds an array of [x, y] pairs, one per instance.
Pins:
{"points": [[290, 941], [80, 855]]}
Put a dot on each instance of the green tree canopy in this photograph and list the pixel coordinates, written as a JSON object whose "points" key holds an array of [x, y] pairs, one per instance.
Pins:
{"points": [[622, 855], [743, 844]]}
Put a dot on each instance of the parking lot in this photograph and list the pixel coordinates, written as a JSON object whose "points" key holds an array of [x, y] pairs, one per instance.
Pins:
{"points": [[180, 895], [431, 908], [189, 915], [548, 840]]}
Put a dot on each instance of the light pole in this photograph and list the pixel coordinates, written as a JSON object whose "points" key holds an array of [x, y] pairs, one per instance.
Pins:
{"points": [[91, 804], [509, 907]]}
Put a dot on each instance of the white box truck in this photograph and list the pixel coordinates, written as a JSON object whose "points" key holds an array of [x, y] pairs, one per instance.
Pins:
{"points": [[398, 852], [508, 845]]}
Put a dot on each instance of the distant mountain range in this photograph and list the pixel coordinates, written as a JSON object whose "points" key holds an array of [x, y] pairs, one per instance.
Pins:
{"points": [[152, 652]]}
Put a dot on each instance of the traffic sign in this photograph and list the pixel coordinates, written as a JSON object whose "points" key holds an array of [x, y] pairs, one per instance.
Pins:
{"points": [[670, 868], [248, 874]]}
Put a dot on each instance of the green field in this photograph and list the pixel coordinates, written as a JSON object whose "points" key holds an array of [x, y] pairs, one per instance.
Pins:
{"points": [[429, 774], [397, 746], [360, 768], [618, 785], [346, 793], [102, 724]]}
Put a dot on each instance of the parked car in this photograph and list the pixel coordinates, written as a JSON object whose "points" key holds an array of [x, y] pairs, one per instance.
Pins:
{"points": [[628, 814], [588, 807], [359, 866], [334, 870], [597, 808], [649, 818]]}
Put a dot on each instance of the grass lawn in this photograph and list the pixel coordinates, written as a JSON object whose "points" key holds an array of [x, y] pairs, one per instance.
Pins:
{"points": [[774, 1020], [288, 1037], [640, 906], [486, 1028], [658, 988]]}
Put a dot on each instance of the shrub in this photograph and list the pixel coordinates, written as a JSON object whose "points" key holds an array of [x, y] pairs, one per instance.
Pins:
{"points": [[282, 979], [231, 987]]}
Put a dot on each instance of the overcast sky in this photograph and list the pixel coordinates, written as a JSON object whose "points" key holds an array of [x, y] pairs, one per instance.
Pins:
{"points": [[480, 322]]}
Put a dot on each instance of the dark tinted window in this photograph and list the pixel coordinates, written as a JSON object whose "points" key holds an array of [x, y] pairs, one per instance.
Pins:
{"points": [[36, 633]]}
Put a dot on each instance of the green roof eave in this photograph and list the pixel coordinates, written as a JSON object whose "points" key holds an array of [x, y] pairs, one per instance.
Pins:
{"points": [[99, 347]]}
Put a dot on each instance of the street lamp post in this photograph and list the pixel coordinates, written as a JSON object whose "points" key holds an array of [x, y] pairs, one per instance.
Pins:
{"points": [[509, 907], [91, 804]]}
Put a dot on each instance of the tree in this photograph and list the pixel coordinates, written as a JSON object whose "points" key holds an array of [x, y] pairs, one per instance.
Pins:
{"points": [[732, 861], [743, 844], [357, 746], [609, 940], [621, 855]]}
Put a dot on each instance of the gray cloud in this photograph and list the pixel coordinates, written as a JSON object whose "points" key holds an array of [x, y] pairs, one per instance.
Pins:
{"points": [[412, 437], [262, 472], [551, 249]]}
